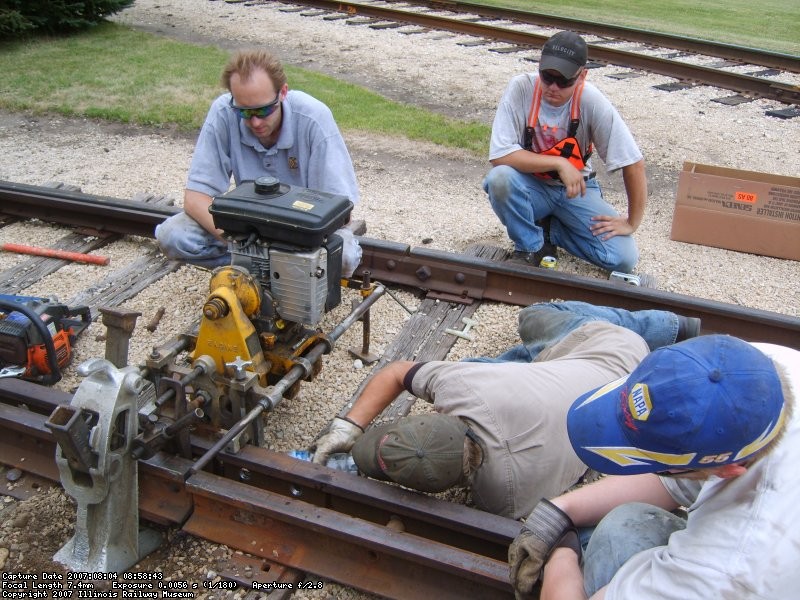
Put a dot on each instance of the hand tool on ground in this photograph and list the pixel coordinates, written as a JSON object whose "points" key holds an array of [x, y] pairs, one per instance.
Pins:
{"points": [[464, 333], [56, 253]]}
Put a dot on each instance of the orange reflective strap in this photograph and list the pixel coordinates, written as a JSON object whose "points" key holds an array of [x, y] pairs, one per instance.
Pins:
{"points": [[536, 101], [569, 147]]}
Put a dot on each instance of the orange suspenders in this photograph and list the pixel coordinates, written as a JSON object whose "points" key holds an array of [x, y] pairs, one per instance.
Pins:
{"points": [[568, 147]]}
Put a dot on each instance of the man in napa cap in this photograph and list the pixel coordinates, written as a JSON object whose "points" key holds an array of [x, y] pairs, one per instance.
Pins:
{"points": [[707, 425]]}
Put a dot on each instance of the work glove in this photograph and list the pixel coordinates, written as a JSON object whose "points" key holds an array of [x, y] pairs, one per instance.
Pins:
{"points": [[545, 528], [341, 436]]}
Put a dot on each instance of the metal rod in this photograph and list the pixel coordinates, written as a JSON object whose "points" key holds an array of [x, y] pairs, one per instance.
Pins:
{"points": [[186, 379], [396, 299], [184, 421], [365, 320], [271, 400], [56, 253]]}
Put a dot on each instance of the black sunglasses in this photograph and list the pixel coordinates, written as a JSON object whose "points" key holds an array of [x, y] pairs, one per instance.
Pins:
{"points": [[262, 112], [559, 80]]}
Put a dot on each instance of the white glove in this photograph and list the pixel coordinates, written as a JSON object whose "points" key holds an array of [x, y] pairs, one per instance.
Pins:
{"points": [[341, 436], [351, 252]]}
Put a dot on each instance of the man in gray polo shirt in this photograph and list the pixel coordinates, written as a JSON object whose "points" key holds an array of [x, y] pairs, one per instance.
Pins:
{"points": [[514, 411], [258, 128]]}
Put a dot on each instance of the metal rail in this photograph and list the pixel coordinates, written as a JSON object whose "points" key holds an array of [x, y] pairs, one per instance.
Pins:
{"points": [[69, 207], [456, 277], [740, 83], [361, 533], [743, 54]]}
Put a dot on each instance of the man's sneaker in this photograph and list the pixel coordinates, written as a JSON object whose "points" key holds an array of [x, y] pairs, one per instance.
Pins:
{"points": [[535, 258], [688, 327]]}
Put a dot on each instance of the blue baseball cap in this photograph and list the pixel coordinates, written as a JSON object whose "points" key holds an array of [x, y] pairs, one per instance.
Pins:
{"points": [[705, 402]]}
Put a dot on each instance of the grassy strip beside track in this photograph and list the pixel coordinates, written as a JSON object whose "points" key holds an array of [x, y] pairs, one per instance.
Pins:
{"points": [[115, 73]]}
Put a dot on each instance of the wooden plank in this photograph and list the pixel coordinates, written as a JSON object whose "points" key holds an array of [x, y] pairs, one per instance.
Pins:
{"points": [[423, 338], [126, 283]]}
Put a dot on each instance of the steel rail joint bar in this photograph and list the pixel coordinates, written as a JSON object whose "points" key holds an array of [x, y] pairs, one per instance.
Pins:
{"points": [[443, 272]]}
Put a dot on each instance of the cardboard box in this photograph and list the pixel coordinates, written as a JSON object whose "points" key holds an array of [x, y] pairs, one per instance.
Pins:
{"points": [[746, 211]]}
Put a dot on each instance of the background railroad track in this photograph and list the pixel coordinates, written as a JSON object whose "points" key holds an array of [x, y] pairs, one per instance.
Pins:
{"points": [[691, 62]]}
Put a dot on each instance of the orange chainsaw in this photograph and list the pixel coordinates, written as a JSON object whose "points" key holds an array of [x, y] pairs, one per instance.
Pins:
{"points": [[37, 336]]}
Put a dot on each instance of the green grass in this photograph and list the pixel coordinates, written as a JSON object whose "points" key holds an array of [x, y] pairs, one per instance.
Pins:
{"points": [[766, 24], [119, 74], [356, 108], [113, 73]]}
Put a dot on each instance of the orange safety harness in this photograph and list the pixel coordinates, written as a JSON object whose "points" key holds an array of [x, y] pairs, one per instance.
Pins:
{"points": [[569, 147]]}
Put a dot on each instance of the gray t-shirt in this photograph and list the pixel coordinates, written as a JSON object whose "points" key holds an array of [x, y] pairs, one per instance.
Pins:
{"points": [[600, 124], [310, 151], [518, 410]]}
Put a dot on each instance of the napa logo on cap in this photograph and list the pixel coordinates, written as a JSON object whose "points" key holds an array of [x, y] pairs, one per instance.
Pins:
{"points": [[639, 402]]}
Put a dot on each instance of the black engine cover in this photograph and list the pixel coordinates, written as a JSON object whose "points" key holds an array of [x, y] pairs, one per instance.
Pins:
{"points": [[281, 213]]}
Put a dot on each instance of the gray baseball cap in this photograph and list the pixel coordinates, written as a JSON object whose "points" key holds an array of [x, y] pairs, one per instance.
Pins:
{"points": [[423, 452], [565, 52]]}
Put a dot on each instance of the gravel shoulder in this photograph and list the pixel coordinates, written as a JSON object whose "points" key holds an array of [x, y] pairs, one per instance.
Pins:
{"points": [[412, 193]]}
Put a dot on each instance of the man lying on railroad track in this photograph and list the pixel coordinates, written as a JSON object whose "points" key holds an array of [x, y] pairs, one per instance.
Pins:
{"points": [[542, 186], [258, 128], [706, 424], [499, 424]]}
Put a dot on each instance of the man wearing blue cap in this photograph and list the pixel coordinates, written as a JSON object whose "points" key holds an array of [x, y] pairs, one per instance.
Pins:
{"points": [[705, 424]]}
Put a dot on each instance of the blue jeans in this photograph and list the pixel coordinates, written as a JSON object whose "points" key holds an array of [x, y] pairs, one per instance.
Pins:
{"points": [[182, 238], [625, 531], [520, 199], [546, 323]]}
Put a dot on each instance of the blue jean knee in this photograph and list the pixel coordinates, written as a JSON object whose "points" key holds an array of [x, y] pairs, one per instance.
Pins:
{"points": [[519, 200], [182, 238], [623, 532], [571, 230]]}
